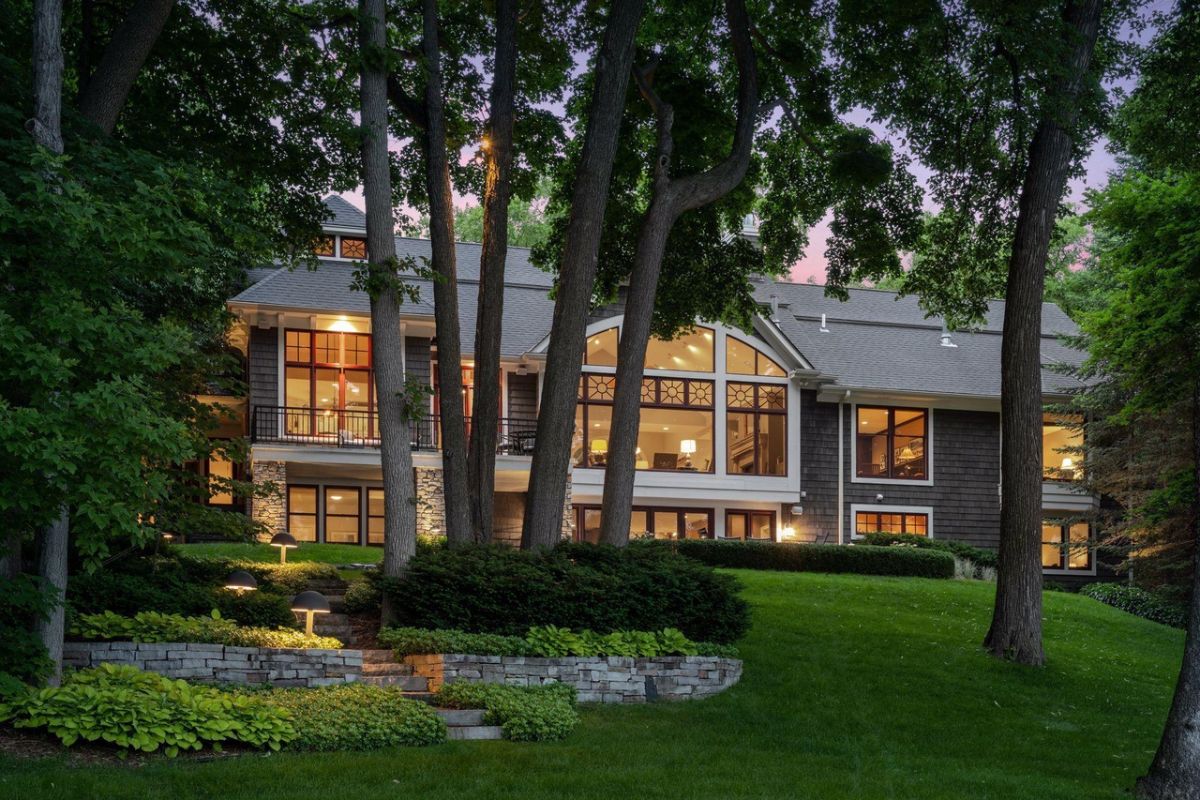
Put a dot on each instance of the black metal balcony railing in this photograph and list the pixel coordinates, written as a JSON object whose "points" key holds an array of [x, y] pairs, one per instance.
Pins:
{"points": [[343, 427]]}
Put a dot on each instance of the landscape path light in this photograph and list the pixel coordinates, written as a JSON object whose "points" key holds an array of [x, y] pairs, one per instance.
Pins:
{"points": [[241, 581], [310, 603], [285, 542]]}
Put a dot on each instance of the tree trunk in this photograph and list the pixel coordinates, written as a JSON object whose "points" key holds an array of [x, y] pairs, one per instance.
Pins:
{"points": [[399, 493], [52, 572], [490, 309], [445, 292], [106, 90], [1016, 630], [672, 197], [46, 124], [577, 276], [1175, 773]]}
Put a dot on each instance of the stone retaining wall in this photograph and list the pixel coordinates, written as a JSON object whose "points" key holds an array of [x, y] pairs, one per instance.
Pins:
{"points": [[217, 663], [611, 679]]}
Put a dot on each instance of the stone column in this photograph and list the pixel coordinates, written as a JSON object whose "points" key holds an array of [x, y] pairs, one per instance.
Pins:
{"points": [[568, 517], [270, 511], [431, 503]]}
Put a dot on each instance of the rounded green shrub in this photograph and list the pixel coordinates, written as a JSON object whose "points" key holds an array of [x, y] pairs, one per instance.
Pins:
{"points": [[357, 717], [1139, 602], [142, 711], [364, 596], [494, 589]]}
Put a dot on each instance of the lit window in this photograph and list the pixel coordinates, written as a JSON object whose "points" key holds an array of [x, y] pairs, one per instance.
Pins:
{"points": [[601, 350], [374, 516], [341, 514], [647, 522], [220, 473], [891, 522], [354, 247], [890, 443], [302, 512], [1062, 439], [756, 429], [329, 387], [750, 525], [744, 359], [1066, 545], [323, 246], [690, 352]]}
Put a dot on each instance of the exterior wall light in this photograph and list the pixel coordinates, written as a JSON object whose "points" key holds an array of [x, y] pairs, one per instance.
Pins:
{"points": [[285, 542], [241, 581], [310, 603]]}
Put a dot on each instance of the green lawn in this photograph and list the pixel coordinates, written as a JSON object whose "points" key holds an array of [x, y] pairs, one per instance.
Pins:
{"points": [[325, 553], [853, 688]]}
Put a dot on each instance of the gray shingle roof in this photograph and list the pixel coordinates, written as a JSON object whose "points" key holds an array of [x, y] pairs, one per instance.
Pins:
{"points": [[345, 215], [878, 341], [875, 340]]}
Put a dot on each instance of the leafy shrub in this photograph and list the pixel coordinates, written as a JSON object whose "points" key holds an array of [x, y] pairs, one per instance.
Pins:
{"points": [[859, 559], [22, 658], [524, 713], [137, 710], [357, 717], [494, 589], [151, 626], [364, 597], [419, 641], [552, 642], [1139, 602], [255, 609], [286, 579], [977, 555]]}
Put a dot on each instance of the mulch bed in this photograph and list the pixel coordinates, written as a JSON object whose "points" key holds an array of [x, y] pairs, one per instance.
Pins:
{"points": [[37, 745]]}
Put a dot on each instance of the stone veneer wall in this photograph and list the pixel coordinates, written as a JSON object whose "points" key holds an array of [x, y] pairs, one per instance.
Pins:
{"points": [[270, 511], [216, 663], [431, 506], [611, 679]]}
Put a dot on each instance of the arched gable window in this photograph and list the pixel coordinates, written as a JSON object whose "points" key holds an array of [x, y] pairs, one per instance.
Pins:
{"points": [[601, 350], [745, 359]]}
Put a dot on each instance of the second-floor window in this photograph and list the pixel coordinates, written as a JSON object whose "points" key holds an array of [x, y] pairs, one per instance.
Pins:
{"points": [[1062, 441], [756, 428], [891, 443], [676, 430], [328, 385]]}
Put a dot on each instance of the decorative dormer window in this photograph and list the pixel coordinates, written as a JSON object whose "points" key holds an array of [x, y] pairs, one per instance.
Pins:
{"points": [[354, 247], [323, 247]]}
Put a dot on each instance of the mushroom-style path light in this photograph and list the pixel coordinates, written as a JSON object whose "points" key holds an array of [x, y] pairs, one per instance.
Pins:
{"points": [[241, 581], [310, 603], [285, 542]]}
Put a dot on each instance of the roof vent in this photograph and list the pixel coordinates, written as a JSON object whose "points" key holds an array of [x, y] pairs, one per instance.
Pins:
{"points": [[824, 328], [946, 340], [774, 299]]}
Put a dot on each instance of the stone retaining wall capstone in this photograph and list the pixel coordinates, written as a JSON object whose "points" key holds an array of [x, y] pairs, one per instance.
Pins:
{"points": [[611, 679], [217, 663]]}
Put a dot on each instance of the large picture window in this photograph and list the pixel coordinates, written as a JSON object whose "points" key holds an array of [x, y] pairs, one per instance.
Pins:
{"points": [[891, 443], [676, 429], [756, 428], [649, 522], [342, 509], [328, 383], [1061, 441], [750, 525], [690, 352], [1066, 546], [374, 516], [601, 350], [745, 359]]}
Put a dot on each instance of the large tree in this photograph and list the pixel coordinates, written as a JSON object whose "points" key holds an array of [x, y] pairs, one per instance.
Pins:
{"points": [[382, 282], [577, 275], [1001, 102]]}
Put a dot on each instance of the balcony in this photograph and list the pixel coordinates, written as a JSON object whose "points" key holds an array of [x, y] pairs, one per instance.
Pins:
{"points": [[355, 428]]}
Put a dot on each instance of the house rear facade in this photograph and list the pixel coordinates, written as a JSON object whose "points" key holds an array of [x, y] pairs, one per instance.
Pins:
{"points": [[826, 421]]}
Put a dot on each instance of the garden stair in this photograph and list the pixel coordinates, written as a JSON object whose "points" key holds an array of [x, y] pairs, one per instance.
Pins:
{"points": [[381, 669]]}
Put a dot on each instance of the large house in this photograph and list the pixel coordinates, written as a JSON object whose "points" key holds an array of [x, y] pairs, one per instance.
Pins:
{"points": [[826, 421]]}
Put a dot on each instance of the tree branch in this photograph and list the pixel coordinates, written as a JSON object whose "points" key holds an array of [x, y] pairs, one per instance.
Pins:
{"points": [[108, 88], [410, 107]]}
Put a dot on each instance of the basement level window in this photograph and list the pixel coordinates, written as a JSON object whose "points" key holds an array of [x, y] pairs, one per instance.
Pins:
{"points": [[890, 522]]}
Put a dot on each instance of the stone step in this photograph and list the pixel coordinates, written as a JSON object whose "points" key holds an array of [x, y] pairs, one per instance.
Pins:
{"points": [[461, 717], [474, 732], [407, 683], [386, 668], [419, 696], [378, 657]]}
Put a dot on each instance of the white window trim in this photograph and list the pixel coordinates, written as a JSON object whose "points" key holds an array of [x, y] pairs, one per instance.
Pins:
{"points": [[853, 435], [878, 508], [1090, 571]]}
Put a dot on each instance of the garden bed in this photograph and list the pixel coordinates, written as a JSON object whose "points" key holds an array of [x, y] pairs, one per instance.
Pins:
{"points": [[217, 663], [597, 679]]}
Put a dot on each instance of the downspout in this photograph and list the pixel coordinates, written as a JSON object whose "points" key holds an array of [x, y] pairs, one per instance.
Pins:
{"points": [[841, 469]]}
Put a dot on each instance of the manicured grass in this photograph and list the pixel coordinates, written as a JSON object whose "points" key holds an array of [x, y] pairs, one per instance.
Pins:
{"points": [[325, 553], [854, 687]]}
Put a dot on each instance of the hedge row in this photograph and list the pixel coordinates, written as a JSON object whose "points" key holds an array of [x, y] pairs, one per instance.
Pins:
{"points": [[551, 641], [151, 626], [497, 589], [977, 555], [1139, 602], [858, 559]]}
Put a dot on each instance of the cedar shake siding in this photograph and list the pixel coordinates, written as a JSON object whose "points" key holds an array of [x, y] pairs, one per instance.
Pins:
{"points": [[522, 396], [417, 358], [818, 468], [264, 366], [965, 493]]}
